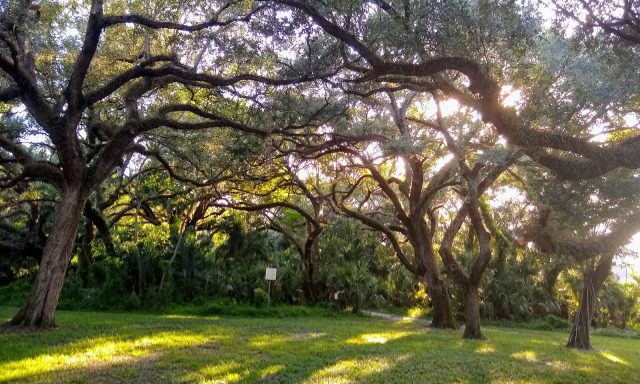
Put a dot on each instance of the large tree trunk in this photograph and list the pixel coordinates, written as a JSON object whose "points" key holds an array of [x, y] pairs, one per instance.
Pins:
{"points": [[422, 245], [310, 253], [310, 292], [579, 337], [472, 314], [441, 310], [39, 310]]}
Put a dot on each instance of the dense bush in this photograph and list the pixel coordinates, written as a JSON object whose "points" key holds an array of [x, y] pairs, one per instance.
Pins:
{"points": [[221, 272], [357, 270], [15, 293]]}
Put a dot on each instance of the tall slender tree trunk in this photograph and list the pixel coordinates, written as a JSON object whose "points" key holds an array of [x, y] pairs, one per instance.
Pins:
{"points": [[39, 310], [84, 254], [138, 249], [472, 313], [579, 337], [167, 270]]}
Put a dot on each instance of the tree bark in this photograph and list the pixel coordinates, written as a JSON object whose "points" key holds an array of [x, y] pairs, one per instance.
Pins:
{"points": [[420, 239], [84, 254], [95, 216], [39, 310], [579, 337], [309, 283], [472, 314], [550, 278], [308, 260], [441, 310], [310, 252]]}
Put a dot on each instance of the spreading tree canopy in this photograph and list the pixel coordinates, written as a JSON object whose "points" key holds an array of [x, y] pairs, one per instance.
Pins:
{"points": [[238, 100]]}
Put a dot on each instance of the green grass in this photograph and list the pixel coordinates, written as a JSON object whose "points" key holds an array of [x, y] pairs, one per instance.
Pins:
{"points": [[141, 348]]}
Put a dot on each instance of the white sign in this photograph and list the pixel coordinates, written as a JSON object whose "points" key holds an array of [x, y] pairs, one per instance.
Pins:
{"points": [[270, 274]]}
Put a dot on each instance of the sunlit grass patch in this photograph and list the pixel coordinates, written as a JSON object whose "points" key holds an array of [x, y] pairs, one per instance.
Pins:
{"points": [[271, 340], [614, 358], [529, 356], [270, 371], [485, 348], [228, 372], [143, 348], [559, 364], [352, 370], [377, 338], [95, 353]]}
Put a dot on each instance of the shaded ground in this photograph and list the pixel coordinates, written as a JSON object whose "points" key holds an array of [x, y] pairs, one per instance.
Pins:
{"points": [[133, 348]]}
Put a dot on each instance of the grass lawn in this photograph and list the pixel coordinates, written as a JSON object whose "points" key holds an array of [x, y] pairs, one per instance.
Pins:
{"points": [[142, 348]]}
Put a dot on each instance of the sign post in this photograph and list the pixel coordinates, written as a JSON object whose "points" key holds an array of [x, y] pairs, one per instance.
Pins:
{"points": [[269, 275]]}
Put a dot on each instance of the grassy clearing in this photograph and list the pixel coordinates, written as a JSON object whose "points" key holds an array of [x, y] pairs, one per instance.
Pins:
{"points": [[134, 348]]}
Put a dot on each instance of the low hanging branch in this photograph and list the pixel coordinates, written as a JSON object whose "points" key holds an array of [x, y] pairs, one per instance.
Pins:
{"points": [[549, 240], [99, 221]]}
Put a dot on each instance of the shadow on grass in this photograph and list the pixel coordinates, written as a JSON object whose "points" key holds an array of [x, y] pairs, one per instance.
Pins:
{"points": [[121, 348]]}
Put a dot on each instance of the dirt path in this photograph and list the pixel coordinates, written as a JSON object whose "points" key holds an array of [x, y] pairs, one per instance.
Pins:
{"points": [[392, 317], [421, 322]]}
